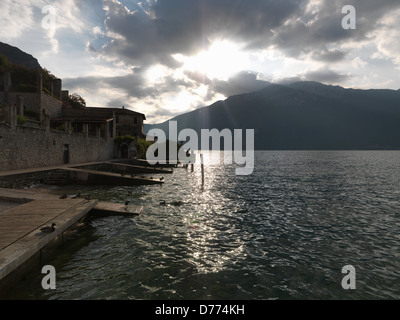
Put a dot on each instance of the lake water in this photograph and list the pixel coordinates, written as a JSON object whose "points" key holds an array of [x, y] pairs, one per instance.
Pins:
{"points": [[284, 232]]}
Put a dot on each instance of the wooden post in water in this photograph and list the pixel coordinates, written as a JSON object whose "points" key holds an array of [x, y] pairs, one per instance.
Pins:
{"points": [[202, 168]]}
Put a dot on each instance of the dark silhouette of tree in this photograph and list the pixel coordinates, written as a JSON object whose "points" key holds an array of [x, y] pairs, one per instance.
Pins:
{"points": [[75, 101]]}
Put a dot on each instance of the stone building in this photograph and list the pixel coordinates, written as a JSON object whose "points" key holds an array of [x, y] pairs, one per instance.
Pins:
{"points": [[96, 120], [40, 103], [54, 134]]}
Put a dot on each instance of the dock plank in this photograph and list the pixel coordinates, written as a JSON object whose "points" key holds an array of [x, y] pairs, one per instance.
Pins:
{"points": [[107, 178], [19, 221], [107, 208], [20, 235], [19, 244]]}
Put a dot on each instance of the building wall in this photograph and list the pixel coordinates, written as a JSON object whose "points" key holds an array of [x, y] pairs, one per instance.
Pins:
{"points": [[126, 125], [26, 147], [51, 105], [35, 102]]}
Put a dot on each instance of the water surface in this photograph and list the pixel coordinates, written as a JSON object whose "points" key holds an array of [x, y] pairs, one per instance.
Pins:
{"points": [[284, 232]]}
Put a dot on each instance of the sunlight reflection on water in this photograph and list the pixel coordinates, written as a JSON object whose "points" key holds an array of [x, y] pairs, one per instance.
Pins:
{"points": [[283, 232]]}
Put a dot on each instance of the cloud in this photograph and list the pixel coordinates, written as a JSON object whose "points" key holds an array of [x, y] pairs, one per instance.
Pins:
{"points": [[12, 26], [298, 28], [162, 99], [386, 34], [110, 51], [242, 82], [323, 75], [143, 38]]}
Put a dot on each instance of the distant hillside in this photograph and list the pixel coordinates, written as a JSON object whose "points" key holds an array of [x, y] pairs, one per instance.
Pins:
{"points": [[19, 57], [305, 116]]}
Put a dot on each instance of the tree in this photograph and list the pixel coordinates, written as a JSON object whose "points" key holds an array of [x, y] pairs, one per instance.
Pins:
{"points": [[5, 65], [76, 101]]}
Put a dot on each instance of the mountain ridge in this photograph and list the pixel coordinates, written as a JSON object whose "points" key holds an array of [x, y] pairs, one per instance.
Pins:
{"points": [[19, 57], [304, 115]]}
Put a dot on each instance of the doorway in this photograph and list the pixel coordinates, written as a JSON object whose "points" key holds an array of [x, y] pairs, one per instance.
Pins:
{"points": [[124, 151], [66, 154]]}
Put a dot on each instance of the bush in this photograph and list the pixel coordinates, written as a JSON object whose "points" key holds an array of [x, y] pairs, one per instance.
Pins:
{"points": [[31, 113], [124, 139], [60, 128], [142, 146], [76, 101], [47, 91], [21, 120]]}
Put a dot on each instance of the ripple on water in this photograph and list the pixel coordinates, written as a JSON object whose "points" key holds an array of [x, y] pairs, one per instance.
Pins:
{"points": [[284, 232]]}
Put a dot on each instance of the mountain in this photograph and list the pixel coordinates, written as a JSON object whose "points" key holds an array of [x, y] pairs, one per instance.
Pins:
{"points": [[305, 116], [19, 57]]}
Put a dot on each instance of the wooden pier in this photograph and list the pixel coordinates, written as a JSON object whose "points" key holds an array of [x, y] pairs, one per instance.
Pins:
{"points": [[103, 173], [20, 234], [115, 209], [108, 178]]}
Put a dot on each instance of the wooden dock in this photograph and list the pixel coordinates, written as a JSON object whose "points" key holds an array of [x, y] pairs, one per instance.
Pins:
{"points": [[136, 169], [144, 163], [20, 234], [113, 209], [107, 178]]}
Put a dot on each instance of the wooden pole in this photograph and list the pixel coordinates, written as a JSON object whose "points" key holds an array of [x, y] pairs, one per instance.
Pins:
{"points": [[202, 168]]}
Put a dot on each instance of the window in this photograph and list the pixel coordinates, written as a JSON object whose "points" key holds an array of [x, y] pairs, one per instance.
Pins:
{"points": [[135, 120]]}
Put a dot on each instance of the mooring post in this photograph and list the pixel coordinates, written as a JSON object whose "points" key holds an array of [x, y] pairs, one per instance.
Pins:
{"points": [[202, 168]]}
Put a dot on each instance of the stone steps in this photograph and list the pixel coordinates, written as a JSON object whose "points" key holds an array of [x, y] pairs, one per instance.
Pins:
{"points": [[58, 178]]}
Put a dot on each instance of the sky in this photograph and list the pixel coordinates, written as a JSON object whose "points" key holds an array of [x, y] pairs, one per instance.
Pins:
{"points": [[167, 57]]}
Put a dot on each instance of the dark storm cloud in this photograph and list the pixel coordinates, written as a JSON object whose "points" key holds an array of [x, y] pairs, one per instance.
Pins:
{"points": [[168, 27], [151, 32], [133, 85], [188, 26]]}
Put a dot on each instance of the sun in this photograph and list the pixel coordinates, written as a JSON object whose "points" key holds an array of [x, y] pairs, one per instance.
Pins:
{"points": [[220, 61]]}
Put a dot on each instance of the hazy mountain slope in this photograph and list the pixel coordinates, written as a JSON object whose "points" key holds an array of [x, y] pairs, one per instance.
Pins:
{"points": [[305, 115], [17, 56]]}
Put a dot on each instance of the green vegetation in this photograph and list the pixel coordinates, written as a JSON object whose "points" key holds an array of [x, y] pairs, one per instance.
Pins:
{"points": [[75, 101], [23, 78], [60, 128], [142, 146], [124, 139], [5, 65], [31, 113], [45, 90], [21, 120]]}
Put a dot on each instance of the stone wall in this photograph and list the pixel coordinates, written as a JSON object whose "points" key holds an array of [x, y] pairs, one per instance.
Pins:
{"points": [[35, 102], [51, 105], [25, 147]]}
